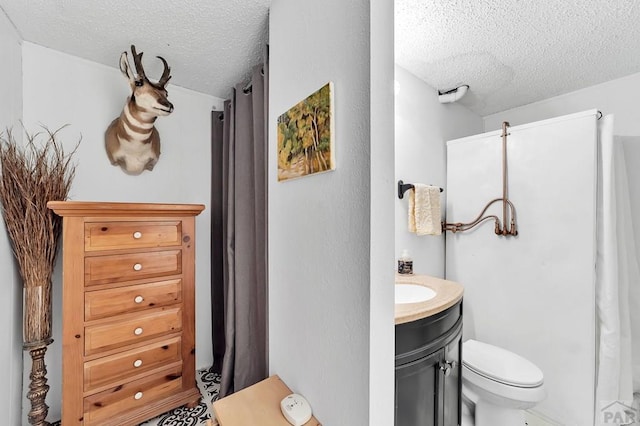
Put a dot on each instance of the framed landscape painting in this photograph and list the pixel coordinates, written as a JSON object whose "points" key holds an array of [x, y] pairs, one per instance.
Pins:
{"points": [[305, 136]]}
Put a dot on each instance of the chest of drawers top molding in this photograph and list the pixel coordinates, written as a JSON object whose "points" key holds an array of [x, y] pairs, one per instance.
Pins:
{"points": [[128, 310], [97, 208]]}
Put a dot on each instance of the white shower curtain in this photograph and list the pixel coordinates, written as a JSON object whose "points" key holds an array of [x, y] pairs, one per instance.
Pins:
{"points": [[618, 277]]}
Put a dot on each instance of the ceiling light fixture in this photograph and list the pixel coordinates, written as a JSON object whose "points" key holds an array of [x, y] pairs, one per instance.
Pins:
{"points": [[452, 95]]}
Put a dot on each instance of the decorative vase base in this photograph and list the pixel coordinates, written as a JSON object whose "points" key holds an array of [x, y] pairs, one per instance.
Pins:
{"points": [[38, 387]]}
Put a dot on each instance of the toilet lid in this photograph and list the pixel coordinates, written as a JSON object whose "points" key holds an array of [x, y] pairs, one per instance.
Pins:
{"points": [[500, 365]]}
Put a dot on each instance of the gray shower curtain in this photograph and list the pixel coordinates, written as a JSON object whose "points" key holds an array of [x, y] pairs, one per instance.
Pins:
{"points": [[239, 209]]}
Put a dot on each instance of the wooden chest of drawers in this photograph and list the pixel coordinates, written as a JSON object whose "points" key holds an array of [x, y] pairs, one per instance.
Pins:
{"points": [[128, 303]]}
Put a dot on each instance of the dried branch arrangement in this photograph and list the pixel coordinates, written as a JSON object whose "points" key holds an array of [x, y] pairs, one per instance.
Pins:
{"points": [[30, 176]]}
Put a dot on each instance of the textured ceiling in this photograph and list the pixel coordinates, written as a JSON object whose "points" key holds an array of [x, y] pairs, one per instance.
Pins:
{"points": [[511, 52], [210, 44], [514, 52]]}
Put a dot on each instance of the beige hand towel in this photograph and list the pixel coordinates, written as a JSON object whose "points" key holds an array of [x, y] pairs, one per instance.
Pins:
{"points": [[424, 210]]}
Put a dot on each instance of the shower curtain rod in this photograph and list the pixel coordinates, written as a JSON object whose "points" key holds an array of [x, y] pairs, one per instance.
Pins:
{"points": [[248, 88]]}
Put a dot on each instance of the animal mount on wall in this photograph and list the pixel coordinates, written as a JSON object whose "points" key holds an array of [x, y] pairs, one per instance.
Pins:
{"points": [[132, 141]]}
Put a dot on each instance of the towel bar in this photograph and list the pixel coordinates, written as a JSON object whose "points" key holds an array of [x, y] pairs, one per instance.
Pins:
{"points": [[404, 187]]}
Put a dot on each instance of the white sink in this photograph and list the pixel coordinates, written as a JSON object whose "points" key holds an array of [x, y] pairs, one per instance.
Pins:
{"points": [[412, 293]]}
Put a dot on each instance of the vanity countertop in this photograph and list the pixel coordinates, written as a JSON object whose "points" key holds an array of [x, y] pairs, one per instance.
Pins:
{"points": [[448, 293]]}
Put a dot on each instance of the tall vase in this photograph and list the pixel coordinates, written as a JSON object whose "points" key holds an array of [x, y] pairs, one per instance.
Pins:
{"points": [[37, 336]]}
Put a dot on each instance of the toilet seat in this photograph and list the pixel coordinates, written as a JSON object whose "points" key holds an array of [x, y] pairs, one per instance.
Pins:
{"points": [[500, 365]]}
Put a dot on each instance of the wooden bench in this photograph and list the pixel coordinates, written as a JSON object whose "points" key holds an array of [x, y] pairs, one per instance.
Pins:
{"points": [[256, 405]]}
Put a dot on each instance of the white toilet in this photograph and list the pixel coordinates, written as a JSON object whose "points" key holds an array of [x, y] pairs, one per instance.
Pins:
{"points": [[497, 385]]}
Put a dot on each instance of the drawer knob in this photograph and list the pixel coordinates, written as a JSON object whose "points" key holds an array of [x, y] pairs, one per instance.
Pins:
{"points": [[138, 395], [137, 266], [138, 299], [137, 363], [137, 235], [137, 331]]}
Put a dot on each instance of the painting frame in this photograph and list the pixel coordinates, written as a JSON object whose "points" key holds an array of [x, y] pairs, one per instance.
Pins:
{"points": [[306, 136]]}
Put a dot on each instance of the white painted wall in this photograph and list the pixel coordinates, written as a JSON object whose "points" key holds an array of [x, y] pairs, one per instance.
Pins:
{"points": [[533, 294], [422, 125], [321, 256], [618, 97], [381, 315], [11, 73], [61, 89], [11, 300]]}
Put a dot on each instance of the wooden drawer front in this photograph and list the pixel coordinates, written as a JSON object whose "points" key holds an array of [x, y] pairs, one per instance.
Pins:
{"points": [[101, 407], [126, 235], [134, 329], [115, 368], [126, 267], [114, 301]]}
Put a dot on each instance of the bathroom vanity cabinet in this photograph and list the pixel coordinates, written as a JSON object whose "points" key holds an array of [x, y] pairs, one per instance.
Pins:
{"points": [[428, 375]]}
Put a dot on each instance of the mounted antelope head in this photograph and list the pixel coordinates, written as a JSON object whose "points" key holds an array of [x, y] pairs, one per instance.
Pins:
{"points": [[132, 141]]}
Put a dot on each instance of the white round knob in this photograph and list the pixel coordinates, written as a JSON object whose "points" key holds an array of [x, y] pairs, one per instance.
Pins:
{"points": [[138, 395], [137, 235], [138, 299], [137, 266], [137, 363], [137, 331]]}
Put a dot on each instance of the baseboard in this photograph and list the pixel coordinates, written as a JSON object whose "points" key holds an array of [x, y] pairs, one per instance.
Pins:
{"points": [[536, 419]]}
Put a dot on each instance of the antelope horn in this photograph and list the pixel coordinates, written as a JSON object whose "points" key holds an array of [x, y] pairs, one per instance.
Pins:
{"points": [[137, 60], [165, 74]]}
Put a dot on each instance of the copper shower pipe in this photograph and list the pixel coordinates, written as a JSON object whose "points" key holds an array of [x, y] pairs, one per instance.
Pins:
{"points": [[511, 229], [499, 229]]}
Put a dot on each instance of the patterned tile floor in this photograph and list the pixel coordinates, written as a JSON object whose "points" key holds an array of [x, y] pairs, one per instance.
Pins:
{"points": [[209, 384]]}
